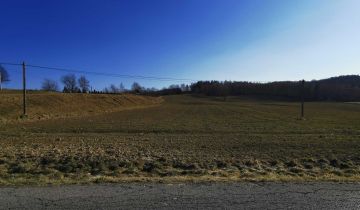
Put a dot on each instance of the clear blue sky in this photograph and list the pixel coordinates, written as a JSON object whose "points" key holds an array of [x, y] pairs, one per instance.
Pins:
{"points": [[257, 40]]}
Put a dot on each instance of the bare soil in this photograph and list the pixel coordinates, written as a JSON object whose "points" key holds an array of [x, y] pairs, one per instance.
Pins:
{"points": [[187, 138]]}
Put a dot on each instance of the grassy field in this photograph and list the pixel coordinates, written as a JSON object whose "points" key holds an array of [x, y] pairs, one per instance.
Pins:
{"points": [[187, 138], [47, 105]]}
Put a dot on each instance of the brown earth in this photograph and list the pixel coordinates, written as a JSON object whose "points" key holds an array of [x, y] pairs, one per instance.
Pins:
{"points": [[187, 138], [42, 105]]}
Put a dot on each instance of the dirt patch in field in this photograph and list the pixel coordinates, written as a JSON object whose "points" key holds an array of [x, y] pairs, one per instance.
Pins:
{"points": [[187, 138], [136, 157]]}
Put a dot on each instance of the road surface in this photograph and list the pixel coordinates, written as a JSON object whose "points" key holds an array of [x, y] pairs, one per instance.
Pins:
{"points": [[185, 196]]}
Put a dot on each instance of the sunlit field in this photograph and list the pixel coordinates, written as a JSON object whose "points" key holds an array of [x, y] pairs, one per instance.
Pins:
{"points": [[186, 138]]}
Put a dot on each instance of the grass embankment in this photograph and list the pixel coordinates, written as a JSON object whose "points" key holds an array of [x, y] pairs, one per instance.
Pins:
{"points": [[188, 139], [42, 105]]}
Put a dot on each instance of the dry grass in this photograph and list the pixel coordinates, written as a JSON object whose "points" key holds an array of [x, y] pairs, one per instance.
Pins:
{"points": [[42, 105], [187, 139]]}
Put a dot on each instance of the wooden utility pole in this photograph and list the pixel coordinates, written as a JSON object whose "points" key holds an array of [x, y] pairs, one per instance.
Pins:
{"points": [[24, 89], [0, 82], [302, 98]]}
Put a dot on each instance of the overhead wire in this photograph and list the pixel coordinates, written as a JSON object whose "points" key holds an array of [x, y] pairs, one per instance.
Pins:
{"points": [[103, 73]]}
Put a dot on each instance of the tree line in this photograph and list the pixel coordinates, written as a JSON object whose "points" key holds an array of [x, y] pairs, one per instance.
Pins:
{"points": [[72, 84], [342, 88]]}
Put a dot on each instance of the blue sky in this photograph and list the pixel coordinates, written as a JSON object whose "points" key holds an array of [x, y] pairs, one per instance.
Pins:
{"points": [[256, 40]]}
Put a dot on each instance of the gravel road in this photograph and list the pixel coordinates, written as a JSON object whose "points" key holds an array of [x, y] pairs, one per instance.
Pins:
{"points": [[184, 196]]}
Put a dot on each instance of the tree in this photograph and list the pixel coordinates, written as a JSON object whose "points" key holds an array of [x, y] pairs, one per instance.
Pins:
{"points": [[183, 87], [69, 82], [174, 86], [121, 88], [84, 84], [342, 88], [4, 76], [114, 89], [49, 85], [224, 90], [106, 90], [136, 87]]}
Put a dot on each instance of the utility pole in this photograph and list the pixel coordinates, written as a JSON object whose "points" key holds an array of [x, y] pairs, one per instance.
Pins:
{"points": [[24, 89], [302, 98], [0, 82]]}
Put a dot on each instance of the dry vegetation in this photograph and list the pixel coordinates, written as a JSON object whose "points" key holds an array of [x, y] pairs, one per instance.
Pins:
{"points": [[187, 138], [43, 105]]}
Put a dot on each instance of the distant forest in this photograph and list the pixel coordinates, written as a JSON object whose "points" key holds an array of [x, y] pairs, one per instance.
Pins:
{"points": [[342, 88]]}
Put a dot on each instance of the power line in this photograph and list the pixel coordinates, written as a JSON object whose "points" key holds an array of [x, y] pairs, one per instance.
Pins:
{"points": [[103, 74], [12, 64], [117, 75]]}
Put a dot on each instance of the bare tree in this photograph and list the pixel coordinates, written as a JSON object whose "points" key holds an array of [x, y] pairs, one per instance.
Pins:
{"points": [[174, 87], [106, 90], [69, 82], [121, 88], [183, 87], [136, 87], [4, 76], [114, 89], [50, 85], [84, 84]]}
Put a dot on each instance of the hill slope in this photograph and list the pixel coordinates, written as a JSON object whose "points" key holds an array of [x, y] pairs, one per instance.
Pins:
{"points": [[343, 88], [345, 80], [58, 105]]}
